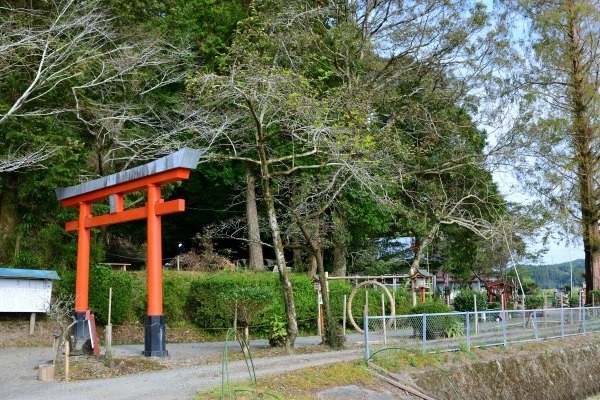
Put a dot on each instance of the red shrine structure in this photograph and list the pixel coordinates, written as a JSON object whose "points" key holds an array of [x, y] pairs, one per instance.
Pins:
{"points": [[149, 177]]}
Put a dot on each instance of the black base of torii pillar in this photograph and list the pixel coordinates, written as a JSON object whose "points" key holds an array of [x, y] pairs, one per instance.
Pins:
{"points": [[154, 336]]}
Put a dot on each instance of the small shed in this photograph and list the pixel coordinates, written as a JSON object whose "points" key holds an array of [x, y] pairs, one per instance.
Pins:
{"points": [[26, 290]]}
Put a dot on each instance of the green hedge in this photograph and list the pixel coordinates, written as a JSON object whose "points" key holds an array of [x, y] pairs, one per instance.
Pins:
{"points": [[534, 301], [206, 311], [192, 297], [436, 326], [101, 279], [464, 301]]}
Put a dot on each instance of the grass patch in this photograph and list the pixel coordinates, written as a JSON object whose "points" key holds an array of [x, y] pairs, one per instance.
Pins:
{"points": [[300, 385], [399, 359]]}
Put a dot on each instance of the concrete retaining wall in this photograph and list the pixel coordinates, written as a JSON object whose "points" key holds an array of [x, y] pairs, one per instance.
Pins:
{"points": [[566, 372]]}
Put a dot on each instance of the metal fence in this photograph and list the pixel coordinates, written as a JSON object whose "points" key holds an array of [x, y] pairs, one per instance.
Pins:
{"points": [[467, 330]]}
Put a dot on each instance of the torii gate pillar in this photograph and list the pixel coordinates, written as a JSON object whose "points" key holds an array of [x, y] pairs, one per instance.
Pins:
{"points": [[149, 177]]}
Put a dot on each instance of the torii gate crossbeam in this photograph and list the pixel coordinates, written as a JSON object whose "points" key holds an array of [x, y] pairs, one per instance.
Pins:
{"points": [[149, 177]]}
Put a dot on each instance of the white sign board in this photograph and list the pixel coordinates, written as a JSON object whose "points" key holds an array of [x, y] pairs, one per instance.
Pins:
{"points": [[25, 295]]}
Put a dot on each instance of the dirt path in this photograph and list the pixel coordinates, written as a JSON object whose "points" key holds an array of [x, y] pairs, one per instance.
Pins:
{"points": [[18, 376]]}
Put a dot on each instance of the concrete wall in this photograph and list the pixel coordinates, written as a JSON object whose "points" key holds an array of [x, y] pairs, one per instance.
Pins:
{"points": [[566, 372]]}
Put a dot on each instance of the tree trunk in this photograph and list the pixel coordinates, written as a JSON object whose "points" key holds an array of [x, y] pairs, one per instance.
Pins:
{"points": [[314, 267], [288, 293], [339, 257], [339, 246], [330, 335], [422, 245], [296, 254], [255, 253], [583, 138], [9, 219]]}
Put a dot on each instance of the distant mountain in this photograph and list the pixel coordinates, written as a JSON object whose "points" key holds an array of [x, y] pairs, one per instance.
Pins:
{"points": [[557, 276]]}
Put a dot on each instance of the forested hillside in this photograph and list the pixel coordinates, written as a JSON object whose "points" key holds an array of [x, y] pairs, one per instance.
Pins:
{"points": [[557, 276], [328, 127]]}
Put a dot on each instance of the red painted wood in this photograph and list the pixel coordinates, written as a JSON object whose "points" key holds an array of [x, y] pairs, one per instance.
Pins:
{"points": [[164, 208], [161, 178], [154, 252], [83, 259]]}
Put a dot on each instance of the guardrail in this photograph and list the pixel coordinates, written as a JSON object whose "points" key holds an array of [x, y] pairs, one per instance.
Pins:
{"points": [[467, 330]]}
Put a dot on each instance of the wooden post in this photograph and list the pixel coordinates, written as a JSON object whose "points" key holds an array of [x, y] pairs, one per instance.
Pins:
{"points": [[344, 317], [31, 323], [476, 316], [544, 313], [383, 317], [108, 328], [67, 345], [319, 331], [109, 303], [177, 263], [394, 300], [235, 320]]}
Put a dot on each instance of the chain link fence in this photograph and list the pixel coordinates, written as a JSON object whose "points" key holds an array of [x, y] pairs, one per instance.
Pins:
{"points": [[466, 330]]}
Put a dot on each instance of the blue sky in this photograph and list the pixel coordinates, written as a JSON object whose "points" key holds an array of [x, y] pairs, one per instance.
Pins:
{"points": [[558, 251]]}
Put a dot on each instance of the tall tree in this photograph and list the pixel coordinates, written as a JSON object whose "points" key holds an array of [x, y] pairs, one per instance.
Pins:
{"points": [[73, 89], [255, 253], [559, 109], [260, 110]]}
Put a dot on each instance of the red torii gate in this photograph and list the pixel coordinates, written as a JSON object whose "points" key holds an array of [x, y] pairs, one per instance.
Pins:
{"points": [[150, 177]]}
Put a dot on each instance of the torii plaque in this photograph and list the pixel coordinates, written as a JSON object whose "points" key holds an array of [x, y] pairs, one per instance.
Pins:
{"points": [[150, 177]]}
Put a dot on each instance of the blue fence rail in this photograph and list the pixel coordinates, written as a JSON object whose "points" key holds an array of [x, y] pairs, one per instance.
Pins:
{"points": [[467, 330]]}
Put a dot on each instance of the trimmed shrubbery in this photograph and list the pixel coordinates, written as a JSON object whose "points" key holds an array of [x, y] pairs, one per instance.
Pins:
{"points": [[435, 326], [207, 300], [465, 301], [101, 279], [534, 301], [207, 294]]}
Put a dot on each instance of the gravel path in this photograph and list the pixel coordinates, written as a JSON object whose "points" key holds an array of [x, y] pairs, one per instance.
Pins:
{"points": [[18, 375]]}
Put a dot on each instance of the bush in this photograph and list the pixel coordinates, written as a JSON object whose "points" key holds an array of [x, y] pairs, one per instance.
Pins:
{"points": [[534, 301], [593, 297], [244, 302], [206, 311], [573, 301], [101, 279], [277, 332], [464, 301], [431, 307], [435, 326], [193, 297], [176, 288]]}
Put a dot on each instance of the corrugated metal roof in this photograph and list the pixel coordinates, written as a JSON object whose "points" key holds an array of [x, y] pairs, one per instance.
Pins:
{"points": [[16, 273], [184, 158]]}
